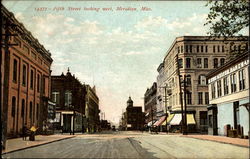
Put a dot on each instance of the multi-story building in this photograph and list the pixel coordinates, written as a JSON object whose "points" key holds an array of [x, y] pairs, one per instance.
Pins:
{"points": [[150, 105], [92, 109], [69, 96], [133, 117], [196, 56], [25, 78], [160, 97], [229, 97]]}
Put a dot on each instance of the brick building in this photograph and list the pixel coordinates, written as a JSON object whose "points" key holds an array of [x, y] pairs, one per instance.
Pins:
{"points": [[150, 105], [25, 78], [69, 93], [134, 117]]}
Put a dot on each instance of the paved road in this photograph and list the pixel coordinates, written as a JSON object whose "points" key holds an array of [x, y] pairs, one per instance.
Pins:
{"points": [[132, 145]]}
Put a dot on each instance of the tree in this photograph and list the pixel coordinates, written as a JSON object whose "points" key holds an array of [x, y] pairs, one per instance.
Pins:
{"points": [[227, 17]]}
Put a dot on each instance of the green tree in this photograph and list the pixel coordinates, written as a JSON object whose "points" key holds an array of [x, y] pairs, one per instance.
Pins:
{"points": [[227, 17]]}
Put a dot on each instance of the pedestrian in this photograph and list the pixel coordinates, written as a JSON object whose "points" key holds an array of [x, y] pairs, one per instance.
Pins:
{"points": [[25, 129]]}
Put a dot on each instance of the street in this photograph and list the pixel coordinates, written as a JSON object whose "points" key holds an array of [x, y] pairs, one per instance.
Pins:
{"points": [[132, 145]]}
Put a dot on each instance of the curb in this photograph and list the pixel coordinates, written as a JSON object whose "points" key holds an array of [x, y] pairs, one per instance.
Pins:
{"points": [[4, 153], [217, 141]]}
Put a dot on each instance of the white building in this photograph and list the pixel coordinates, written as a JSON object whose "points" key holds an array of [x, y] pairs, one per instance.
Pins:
{"points": [[229, 96]]}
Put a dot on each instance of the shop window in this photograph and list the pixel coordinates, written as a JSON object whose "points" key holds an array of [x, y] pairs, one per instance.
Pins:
{"points": [[203, 118]]}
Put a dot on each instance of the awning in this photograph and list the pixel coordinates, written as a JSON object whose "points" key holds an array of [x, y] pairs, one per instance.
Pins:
{"points": [[150, 123], [190, 119], [160, 121], [176, 120], [170, 117]]}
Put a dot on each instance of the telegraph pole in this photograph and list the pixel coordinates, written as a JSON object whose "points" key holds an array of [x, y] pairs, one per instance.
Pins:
{"points": [[181, 101], [166, 107], [185, 107]]}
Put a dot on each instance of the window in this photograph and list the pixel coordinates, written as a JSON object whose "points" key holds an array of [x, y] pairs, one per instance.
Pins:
{"points": [[189, 98], [239, 48], [186, 47], [218, 48], [56, 97], [13, 109], [188, 80], [213, 48], [182, 49], [233, 82], [31, 79], [38, 83], [213, 90], [188, 63], [24, 75], [200, 99], [215, 62], [225, 84], [180, 61], [68, 98], [190, 48], [202, 48], [178, 49], [205, 62], [222, 61], [223, 49], [206, 98], [23, 105], [219, 88], [199, 63], [43, 85], [31, 106], [203, 117], [15, 71], [242, 79], [206, 48], [198, 48], [202, 80]]}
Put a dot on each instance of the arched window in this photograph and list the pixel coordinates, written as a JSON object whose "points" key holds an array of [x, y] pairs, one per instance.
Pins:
{"points": [[13, 109], [215, 62], [222, 61]]}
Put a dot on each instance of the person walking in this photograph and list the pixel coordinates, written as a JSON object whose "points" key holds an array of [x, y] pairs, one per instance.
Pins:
{"points": [[25, 129]]}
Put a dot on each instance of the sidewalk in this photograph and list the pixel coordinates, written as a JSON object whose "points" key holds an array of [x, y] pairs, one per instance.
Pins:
{"points": [[19, 144], [221, 139]]}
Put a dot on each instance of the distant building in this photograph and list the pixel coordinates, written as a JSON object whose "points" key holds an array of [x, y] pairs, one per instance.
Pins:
{"points": [[25, 78], [69, 95], [92, 109], [133, 117], [150, 105], [196, 56], [105, 125], [160, 97], [229, 97]]}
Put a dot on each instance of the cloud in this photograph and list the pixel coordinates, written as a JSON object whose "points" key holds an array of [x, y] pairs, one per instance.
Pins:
{"points": [[133, 53]]}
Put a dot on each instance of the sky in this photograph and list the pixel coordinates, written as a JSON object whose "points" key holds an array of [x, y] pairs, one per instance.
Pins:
{"points": [[118, 51]]}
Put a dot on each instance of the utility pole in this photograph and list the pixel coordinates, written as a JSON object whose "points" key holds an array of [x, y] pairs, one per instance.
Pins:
{"points": [[166, 107], [181, 101], [185, 107]]}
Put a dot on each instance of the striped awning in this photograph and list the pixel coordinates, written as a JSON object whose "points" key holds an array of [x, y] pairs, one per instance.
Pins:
{"points": [[170, 117], [160, 121]]}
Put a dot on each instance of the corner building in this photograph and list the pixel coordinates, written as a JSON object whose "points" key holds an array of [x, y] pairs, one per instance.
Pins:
{"points": [[196, 56], [25, 78]]}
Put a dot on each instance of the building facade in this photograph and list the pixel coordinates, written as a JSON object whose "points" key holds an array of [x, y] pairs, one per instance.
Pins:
{"points": [[193, 57], [69, 96], [25, 78], [92, 110], [133, 117], [160, 93], [150, 103], [229, 97]]}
